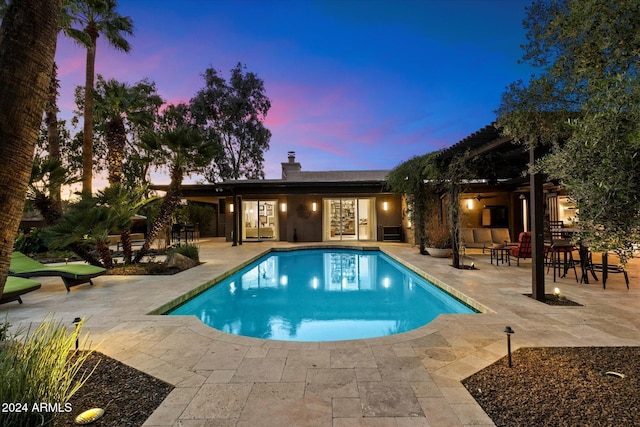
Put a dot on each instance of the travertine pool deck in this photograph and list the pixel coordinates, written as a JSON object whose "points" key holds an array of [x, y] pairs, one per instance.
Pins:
{"points": [[410, 379]]}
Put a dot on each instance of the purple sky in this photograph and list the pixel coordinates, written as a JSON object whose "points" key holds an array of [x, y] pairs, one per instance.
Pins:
{"points": [[353, 84]]}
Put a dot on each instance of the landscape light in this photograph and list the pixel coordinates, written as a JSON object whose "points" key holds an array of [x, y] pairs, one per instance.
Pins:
{"points": [[76, 322], [509, 332]]}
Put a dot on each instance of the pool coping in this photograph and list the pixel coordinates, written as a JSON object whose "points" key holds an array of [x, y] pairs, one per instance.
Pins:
{"points": [[461, 297]]}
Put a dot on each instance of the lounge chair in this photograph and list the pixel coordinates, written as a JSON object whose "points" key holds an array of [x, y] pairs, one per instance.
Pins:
{"points": [[15, 287], [523, 250], [71, 274]]}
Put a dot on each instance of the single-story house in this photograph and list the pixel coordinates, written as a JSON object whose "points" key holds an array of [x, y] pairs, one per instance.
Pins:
{"points": [[306, 206]]}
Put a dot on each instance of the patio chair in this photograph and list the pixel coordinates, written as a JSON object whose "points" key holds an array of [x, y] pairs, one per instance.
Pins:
{"points": [[16, 287], [558, 251], [523, 250], [71, 274]]}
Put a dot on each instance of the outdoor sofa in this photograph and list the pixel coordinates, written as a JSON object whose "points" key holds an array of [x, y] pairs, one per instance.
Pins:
{"points": [[71, 274], [484, 238], [16, 287]]}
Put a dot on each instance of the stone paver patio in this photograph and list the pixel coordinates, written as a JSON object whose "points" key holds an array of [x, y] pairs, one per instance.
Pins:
{"points": [[410, 379]]}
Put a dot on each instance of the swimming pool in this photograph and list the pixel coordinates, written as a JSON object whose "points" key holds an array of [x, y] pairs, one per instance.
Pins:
{"points": [[321, 295]]}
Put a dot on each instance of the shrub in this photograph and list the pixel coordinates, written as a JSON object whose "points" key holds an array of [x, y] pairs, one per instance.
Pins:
{"points": [[32, 242], [43, 369], [436, 235], [188, 250]]}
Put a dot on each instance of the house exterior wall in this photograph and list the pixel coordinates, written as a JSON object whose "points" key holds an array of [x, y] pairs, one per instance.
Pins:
{"points": [[299, 223], [303, 225]]}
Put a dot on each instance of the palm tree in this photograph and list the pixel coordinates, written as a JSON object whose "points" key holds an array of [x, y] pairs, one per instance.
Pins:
{"points": [[181, 147], [118, 107], [125, 204], [51, 107], [26, 60], [48, 173], [97, 17], [84, 227]]}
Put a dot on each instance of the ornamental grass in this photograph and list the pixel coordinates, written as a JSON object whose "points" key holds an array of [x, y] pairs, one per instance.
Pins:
{"points": [[40, 373]]}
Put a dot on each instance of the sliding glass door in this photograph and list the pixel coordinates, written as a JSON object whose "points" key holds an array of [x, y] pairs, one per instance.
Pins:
{"points": [[349, 219], [260, 220]]}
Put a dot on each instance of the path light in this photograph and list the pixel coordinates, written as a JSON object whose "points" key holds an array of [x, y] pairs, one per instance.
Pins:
{"points": [[76, 322], [509, 331], [89, 416]]}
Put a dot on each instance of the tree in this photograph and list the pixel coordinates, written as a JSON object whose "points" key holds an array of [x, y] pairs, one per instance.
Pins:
{"points": [[410, 179], [124, 204], [51, 108], [233, 115], [121, 107], [51, 119], [585, 103], [97, 17], [47, 173], [27, 48], [423, 180], [85, 226], [179, 145]]}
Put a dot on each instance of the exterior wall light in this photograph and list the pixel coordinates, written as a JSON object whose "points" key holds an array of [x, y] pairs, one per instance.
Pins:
{"points": [[231, 207], [314, 206], [385, 206], [469, 204], [283, 207]]}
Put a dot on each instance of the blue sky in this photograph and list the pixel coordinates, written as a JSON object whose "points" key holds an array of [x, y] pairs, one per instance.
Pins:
{"points": [[353, 84]]}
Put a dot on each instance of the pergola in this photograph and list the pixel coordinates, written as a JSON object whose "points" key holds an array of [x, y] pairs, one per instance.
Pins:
{"points": [[503, 160]]}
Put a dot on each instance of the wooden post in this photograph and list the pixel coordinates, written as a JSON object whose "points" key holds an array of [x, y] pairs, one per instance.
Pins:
{"points": [[537, 230], [240, 220], [454, 193], [234, 223]]}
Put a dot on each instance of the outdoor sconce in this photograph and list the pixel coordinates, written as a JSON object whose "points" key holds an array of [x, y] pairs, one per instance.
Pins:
{"points": [[231, 207], [314, 206], [385, 206], [509, 332], [283, 207], [469, 204]]}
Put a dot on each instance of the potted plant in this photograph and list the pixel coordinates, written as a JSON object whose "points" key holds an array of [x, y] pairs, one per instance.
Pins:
{"points": [[437, 239]]}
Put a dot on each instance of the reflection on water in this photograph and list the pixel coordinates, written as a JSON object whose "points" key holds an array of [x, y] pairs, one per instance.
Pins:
{"points": [[318, 295]]}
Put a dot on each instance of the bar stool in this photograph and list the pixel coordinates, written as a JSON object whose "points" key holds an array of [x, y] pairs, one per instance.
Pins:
{"points": [[561, 252]]}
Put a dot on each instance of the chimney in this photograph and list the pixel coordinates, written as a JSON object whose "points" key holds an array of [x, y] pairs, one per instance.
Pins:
{"points": [[291, 165]]}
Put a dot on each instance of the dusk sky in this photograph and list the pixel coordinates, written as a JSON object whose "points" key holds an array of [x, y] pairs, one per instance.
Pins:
{"points": [[353, 84]]}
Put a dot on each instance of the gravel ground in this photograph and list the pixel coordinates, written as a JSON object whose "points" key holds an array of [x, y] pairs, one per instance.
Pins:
{"points": [[561, 386], [127, 395]]}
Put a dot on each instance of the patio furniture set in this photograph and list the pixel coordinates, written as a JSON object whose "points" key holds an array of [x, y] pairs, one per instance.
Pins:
{"points": [[558, 255]]}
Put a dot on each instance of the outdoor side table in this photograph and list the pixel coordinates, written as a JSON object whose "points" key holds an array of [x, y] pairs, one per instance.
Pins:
{"points": [[500, 254]]}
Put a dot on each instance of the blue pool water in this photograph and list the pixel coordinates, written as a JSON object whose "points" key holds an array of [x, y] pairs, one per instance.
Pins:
{"points": [[321, 295]]}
